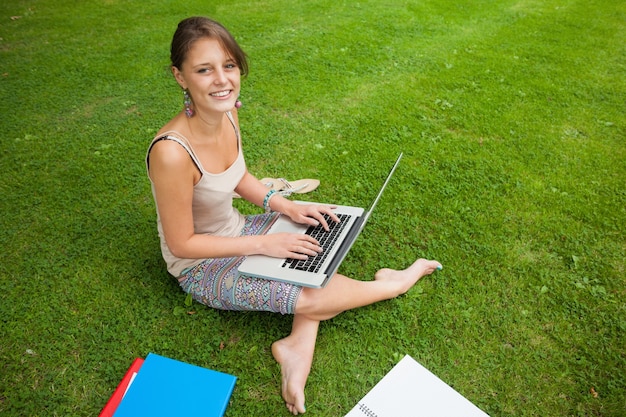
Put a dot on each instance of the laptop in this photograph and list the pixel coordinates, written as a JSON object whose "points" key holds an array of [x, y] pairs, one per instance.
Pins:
{"points": [[317, 270]]}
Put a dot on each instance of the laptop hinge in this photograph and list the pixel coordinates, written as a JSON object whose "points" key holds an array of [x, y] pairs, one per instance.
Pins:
{"points": [[345, 246]]}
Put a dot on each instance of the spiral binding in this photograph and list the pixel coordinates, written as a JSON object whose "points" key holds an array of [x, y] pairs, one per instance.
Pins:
{"points": [[367, 411]]}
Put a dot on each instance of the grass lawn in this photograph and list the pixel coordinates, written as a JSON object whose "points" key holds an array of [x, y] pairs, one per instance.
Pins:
{"points": [[512, 118]]}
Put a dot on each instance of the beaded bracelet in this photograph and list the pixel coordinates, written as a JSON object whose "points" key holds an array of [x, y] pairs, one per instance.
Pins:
{"points": [[266, 200]]}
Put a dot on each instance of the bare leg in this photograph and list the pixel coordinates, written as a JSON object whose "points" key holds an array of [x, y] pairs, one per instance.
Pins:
{"points": [[295, 352], [343, 293]]}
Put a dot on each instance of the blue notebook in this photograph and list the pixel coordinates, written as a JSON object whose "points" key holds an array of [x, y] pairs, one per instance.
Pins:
{"points": [[167, 387]]}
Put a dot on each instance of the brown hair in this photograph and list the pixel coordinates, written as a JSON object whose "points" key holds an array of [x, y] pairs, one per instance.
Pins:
{"points": [[195, 28]]}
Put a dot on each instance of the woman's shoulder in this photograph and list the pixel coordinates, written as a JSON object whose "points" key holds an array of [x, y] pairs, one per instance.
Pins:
{"points": [[174, 127], [170, 144], [168, 153]]}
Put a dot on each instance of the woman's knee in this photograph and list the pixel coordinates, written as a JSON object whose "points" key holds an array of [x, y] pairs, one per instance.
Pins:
{"points": [[306, 301], [310, 303]]}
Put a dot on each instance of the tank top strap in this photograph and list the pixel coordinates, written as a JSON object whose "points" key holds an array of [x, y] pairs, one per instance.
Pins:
{"points": [[232, 121], [181, 140], [184, 142]]}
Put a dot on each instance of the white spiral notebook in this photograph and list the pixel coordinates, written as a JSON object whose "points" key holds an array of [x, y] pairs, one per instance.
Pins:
{"points": [[410, 390]]}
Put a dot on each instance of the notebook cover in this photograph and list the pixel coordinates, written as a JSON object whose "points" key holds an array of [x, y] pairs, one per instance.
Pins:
{"points": [[167, 387], [410, 390], [119, 392]]}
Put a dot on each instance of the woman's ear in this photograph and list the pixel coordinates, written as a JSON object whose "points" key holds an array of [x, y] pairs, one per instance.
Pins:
{"points": [[178, 75]]}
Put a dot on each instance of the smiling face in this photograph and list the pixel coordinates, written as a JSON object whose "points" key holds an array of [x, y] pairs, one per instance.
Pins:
{"points": [[211, 75]]}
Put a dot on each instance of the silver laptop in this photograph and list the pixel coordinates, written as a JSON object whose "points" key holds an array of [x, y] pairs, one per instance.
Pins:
{"points": [[317, 270]]}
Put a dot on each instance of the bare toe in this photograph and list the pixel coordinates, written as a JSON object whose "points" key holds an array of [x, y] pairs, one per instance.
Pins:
{"points": [[406, 278]]}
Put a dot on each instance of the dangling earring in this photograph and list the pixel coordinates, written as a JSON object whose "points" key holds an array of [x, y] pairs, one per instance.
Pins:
{"points": [[187, 103], [238, 104]]}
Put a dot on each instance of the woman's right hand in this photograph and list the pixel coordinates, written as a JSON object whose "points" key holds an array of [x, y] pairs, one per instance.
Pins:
{"points": [[289, 245]]}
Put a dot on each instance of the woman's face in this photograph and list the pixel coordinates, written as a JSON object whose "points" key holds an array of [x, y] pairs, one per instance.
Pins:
{"points": [[211, 75]]}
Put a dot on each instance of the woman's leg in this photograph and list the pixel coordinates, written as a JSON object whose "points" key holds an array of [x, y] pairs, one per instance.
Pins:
{"points": [[343, 293], [295, 352]]}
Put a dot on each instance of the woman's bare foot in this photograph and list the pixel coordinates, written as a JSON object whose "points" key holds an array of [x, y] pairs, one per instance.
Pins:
{"points": [[406, 278], [295, 364]]}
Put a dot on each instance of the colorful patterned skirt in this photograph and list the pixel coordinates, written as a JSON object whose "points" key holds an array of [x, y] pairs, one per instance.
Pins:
{"points": [[217, 282]]}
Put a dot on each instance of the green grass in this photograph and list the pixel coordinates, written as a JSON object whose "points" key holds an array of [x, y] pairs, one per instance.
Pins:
{"points": [[511, 115]]}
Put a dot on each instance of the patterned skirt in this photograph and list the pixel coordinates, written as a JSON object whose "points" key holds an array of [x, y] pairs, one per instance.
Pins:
{"points": [[217, 282]]}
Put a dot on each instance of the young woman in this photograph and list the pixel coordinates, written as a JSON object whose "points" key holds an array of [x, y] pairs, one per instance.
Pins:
{"points": [[195, 163]]}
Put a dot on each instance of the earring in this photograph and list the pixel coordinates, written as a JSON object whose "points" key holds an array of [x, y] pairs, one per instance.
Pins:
{"points": [[238, 104], [187, 103]]}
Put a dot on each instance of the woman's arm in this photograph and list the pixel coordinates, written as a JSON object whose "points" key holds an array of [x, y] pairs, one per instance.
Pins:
{"points": [[174, 175], [254, 191]]}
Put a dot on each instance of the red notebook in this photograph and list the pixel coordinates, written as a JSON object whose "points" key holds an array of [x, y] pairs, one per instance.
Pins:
{"points": [[119, 392]]}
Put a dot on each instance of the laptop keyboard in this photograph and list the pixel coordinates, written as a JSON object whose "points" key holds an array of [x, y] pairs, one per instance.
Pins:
{"points": [[326, 240]]}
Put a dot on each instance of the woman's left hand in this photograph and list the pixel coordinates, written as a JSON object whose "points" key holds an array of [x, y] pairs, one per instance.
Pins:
{"points": [[311, 214]]}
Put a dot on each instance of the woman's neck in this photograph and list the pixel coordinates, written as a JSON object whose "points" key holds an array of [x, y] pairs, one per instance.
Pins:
{"points": [[206, 128]]}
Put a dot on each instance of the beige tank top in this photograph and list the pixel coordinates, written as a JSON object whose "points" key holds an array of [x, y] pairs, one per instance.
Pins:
{"points": [[212, 209]]}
